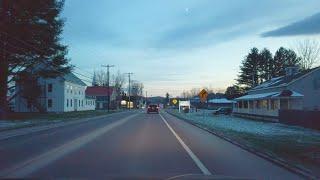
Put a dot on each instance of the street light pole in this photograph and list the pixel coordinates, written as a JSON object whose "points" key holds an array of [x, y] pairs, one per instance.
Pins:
{"points": [[129, 91], [108, 83]]}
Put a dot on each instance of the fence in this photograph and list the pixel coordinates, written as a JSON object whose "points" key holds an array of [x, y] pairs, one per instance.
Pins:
{"points": [[308, 119]]}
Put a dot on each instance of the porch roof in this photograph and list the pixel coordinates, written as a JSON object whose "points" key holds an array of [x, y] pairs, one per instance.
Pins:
{"points": [[256, 96], [268, 95]]}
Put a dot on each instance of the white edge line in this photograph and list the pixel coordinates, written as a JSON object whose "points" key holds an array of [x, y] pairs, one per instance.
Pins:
{"points": [[28, 130], [201, 166], [31, 165]]}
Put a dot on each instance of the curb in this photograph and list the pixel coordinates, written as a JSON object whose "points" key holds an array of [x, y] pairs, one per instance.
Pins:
{"points": [[263, 155], [21, 131]]}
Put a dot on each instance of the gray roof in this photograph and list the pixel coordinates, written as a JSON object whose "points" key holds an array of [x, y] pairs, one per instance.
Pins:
{"points": [[269, 95], [70, 77], [282, 80]]}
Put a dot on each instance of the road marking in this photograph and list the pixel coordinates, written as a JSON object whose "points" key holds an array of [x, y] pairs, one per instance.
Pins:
{"points": [[201, 166], [29, 166], [28, 130]]}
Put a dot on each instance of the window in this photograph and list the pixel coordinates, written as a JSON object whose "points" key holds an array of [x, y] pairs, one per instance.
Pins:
{"points": [[79, 92], [70, 102], [29, 104], [82, 103], [274, 104], [79, 103], [49, 103], [71, 91], [251, 104], [258, 104], [49, 87], [67, 102], [245, 104], [264, 104]]}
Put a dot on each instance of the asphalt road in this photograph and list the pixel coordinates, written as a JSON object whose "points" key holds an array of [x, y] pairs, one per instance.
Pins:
{"points": [[127, 145]]}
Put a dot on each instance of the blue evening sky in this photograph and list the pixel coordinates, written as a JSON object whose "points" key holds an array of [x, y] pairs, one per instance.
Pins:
{"points": [[176, 45]]}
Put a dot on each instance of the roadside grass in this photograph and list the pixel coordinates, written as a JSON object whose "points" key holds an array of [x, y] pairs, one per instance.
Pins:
{"points": [[21, 120], [296, 145], [57, 116]]}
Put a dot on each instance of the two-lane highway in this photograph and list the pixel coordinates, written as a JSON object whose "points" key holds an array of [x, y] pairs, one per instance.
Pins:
{"points": [[132, 144]]}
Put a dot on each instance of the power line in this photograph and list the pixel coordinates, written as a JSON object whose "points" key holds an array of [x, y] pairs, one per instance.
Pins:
{"points": [[84, 71], [21, 49], [42, 51], [82, 75]]}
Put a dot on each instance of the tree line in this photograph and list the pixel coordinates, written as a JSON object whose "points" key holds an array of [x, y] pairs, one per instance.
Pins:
{"points": [[259, 66]]}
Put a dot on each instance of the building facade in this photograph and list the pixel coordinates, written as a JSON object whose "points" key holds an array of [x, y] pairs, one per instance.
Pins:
{"points": [[100, 93], [294, 91], [61, 94]]}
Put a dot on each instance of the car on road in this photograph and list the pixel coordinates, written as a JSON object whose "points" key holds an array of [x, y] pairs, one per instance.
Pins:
{"points": [[223, 110], [153, 108]]}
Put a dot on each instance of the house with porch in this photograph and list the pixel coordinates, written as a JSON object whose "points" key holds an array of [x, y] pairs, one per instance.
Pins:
{"points": [[297, 90]]}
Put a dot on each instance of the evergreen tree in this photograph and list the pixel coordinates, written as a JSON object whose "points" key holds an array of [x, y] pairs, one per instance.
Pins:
{"points": [[249, 70], [284, 58], [29, 35], [266, 65], [234, 92]]}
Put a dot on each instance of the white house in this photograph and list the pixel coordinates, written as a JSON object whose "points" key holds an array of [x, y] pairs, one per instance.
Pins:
{"points": [[294, 91], [61, 94]]}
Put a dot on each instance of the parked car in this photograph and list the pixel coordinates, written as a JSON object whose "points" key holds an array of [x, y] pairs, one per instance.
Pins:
{"points": [[153, 108], [223, 110]]}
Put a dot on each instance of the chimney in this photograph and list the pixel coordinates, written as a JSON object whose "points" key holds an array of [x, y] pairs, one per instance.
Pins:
{"points": [[291, 71]]}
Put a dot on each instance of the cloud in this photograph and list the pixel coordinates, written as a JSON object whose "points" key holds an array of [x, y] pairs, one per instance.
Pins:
{"points": [[213, 23], [307, 26]]}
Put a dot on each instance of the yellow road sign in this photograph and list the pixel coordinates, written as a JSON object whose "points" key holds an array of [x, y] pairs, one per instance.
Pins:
{"points": [[174, 101], [203, 95]]}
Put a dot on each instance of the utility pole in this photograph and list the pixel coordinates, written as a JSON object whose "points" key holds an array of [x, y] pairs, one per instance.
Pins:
{"points": [[129, 90], [146, 98], [108, 83]]}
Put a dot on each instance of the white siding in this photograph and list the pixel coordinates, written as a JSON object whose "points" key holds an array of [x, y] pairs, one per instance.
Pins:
{"points": [[61, 91]]}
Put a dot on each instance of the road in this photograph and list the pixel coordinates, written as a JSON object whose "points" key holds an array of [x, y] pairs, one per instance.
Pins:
{"points": [[128, 145]]}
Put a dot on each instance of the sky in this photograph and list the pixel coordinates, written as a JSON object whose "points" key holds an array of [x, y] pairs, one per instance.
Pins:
{"points": [[176, 45]]}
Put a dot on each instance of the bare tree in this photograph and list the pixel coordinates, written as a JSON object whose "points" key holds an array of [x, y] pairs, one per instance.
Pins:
{"points": [[309, 52], [137, 88], [100, 78], [118, 81]]}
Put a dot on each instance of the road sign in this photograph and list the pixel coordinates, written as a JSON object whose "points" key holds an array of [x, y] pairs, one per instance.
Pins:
{"points": [[203, 95], [174, 101]]}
